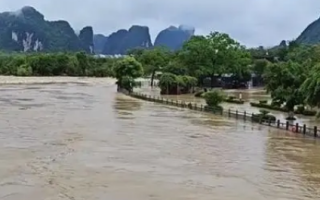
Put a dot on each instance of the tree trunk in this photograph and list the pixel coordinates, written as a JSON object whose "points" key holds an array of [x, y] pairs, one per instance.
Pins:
{"points": [[152, 77], [212, 80], [291, 113]]}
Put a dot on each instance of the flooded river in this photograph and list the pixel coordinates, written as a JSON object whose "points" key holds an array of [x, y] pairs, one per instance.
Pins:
{"points": [[83, 141]]}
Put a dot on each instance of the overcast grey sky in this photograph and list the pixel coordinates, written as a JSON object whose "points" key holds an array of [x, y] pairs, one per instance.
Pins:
{"points": [[252, 22]]}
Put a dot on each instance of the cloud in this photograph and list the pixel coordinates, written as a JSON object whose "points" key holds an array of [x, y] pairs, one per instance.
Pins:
{"points": [[252, 22]]}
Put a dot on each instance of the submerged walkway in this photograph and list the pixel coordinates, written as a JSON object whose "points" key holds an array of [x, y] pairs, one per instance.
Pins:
{"points": [[246, 107], [239, 115]]}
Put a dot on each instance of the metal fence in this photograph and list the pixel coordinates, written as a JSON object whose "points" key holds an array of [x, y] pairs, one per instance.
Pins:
{"points": [[245, 116]]}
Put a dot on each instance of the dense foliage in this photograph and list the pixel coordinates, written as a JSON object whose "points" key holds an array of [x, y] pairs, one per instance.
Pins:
{"points": [[214, 98], [290, 72], [59, 64]]}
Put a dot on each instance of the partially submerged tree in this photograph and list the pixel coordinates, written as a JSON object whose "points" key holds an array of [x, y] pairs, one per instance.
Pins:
{"points": [[283, 81], [154, 60], [214, 98], [215, 55], [175, 84], [126, 70], [311, 87]]}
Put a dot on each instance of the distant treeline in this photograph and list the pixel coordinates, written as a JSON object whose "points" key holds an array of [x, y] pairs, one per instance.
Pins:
{"points": [[55, 64]]}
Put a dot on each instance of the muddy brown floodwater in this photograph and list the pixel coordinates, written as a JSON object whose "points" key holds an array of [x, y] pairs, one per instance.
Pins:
{"points": [[86, 142], [252, 95]]}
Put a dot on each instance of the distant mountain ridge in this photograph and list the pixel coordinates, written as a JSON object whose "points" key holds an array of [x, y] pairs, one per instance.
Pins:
{"points": [[139, 37], [26, 30], [311, 34], [174, 37]]}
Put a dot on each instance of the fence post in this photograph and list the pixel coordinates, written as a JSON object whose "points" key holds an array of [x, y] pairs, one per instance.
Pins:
{"points": [[245, 115], [304, 129], [252, 117], [315, 131], [236, 114], [229, 114], [287, 125], [201, 107], [278, 123], [297, 127]]}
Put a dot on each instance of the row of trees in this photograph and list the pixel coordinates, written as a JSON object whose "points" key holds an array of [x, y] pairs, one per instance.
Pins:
{"points": [[200, 57], [294, 79], [55, 64], [125, 69], [290, 72]]}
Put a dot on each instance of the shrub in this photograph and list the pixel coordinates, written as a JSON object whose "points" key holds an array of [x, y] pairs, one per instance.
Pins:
{"points": [[283, 109], [233, 99], [24, 70], [214, 98], [127, 83], [264, 116]]}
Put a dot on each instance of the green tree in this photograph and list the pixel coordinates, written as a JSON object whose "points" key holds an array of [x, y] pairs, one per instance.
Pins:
{"points": [[154, 60], [311, 87], [136, 53], [127, 68], [193, 56], [239, 64], [215, 54], [167, 81], [82, 62], [283, 81], [260, 67], [214, 98]]}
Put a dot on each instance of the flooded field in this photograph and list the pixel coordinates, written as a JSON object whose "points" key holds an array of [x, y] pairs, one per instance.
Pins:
{"points": [[253, 95], [81, 140]]}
